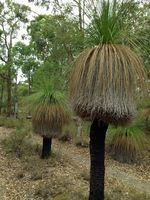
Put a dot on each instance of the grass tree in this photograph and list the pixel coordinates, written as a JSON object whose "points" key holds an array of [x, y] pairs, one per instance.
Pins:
{"points": [[126, 144], [104, 83], [48, 116]]}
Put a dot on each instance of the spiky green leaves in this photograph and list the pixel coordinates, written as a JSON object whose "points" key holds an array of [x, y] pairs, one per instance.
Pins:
{"points": [[113, 22], [106, 24], [49, 113], [104, 82]]}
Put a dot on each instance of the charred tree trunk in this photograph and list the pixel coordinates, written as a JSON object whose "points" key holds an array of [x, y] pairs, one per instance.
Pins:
{"points": [[97, 154], [46, 151]]}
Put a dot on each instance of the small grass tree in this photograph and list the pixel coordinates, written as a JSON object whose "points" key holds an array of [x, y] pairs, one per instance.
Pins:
{"points": [[104, 83], [48, 116], [126, 144]]}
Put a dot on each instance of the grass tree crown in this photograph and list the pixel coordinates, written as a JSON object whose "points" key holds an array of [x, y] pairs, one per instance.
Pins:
{"points": [[106, 77], [49, 113]]}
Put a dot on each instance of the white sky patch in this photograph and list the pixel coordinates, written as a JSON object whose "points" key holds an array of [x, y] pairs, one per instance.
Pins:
{"points": [[36, 9]]}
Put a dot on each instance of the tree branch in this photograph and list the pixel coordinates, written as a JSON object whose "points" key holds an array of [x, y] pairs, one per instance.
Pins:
{"points": [[5, 36], [3, 59]]}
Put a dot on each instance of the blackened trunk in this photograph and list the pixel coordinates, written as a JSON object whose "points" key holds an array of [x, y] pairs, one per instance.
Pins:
{"points": [[46, 151], [97, 154]]}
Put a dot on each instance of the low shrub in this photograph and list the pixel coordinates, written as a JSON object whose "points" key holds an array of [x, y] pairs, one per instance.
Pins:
{"points": [[65, 136], [81, 141], [147, 120], [119, 193], [9, 122], [125, 144], [19, 142]]}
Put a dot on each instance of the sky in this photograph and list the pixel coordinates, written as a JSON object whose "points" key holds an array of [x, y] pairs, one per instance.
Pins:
{"points": [[34, 8]]}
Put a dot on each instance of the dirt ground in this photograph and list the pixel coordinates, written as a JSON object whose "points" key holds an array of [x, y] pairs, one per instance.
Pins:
{"points": [[65, 176]]}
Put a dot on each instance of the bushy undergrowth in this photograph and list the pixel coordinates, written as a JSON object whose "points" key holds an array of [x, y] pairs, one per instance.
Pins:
{"points": [[70, 134], [143, 103], [19, 141], [147, 119], [9, 122], [125, 144], [120, 194]]}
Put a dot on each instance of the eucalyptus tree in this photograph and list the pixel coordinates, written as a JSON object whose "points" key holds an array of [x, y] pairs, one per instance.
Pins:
{"points": [[55, 36], [56, 40], [26, 59], [2, 86], [11, 16], [104, 83], [144, 35], [49, 115]]}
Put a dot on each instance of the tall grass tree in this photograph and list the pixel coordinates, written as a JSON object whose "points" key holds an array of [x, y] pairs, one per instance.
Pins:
{"points": [[104, 83], [48, 116]]}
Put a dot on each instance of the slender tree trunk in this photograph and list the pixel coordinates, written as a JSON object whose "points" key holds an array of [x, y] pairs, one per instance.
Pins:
{"points": [[97, 154], [16, 99], [46, 151], [80, 14], [29, 83], [1, 96], [9, 79], [29, 91], [9, 99]]}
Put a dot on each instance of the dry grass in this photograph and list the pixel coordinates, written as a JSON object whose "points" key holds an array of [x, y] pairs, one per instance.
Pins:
{"points": [[103, 86], [48, 120], [57, 178], [9, 122], [147, 120], [19, 143], [127, 145]]}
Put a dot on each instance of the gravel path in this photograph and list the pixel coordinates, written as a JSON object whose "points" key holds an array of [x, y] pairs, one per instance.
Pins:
{"points": [[126, 174]]}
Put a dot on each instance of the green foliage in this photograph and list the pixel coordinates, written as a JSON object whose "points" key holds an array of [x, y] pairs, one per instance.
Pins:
{"points": [[9, 122], [47, 95], [18, 142], [51, 33], [25, 58], [11, 18], [115, 22], [143, 103], [126, 144], [108, 25], [147, 120], [118, 193], [56, 39], [22, 90]]}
